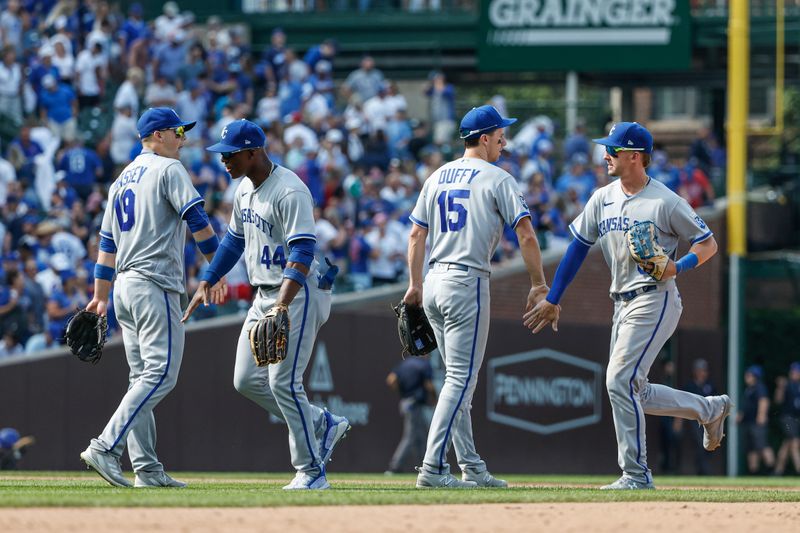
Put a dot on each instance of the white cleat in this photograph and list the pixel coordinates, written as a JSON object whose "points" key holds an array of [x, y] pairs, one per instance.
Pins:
{"points": [[714, 431], [304, 481], [336, 428], [628, 483], [426, 480], [156, 479], [484, 479], [106, 465]]}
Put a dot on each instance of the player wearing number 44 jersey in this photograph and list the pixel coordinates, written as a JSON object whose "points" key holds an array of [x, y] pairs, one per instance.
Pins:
{"points": [[647, 305], [273, 225], [461, 211], [143, 235]]}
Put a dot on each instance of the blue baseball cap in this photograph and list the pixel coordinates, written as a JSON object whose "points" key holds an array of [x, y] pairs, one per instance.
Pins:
{"points": [[8, 438], [160, 118], [240, 135], [756, 370], [483, 119], [628, 135]]}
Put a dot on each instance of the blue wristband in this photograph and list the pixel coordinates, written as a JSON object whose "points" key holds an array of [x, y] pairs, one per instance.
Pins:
{"points": [[686, 262], [294, 275], [209, 246], [103, 272]]}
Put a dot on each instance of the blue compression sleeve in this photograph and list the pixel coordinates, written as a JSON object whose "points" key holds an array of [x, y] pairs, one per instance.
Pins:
{"points": [[230, 250], [302, 251], [103, 272], [567, 269], [294, 275], [107, 245], [208, 246], [196, 218], [686, 262]]}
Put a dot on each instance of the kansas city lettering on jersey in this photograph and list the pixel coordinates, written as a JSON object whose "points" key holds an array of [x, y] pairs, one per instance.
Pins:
{"points": [[129, 177], [457, 175], [613, 224], [251, 217]]}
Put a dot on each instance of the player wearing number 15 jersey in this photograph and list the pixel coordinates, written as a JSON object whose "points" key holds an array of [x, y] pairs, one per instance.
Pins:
{"points": [[461, 211], [142, 236]]}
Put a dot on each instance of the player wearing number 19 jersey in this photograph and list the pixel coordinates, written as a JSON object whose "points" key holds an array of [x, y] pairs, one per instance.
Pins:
{"points": [[461, 211], [142, 237]]}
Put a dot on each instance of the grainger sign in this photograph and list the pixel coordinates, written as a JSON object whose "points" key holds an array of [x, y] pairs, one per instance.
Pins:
{"points": [[544, 391], [584, 35]]}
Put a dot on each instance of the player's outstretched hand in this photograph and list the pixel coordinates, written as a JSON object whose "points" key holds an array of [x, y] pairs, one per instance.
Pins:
{"points": [[201, 296], [219, 292], [413, 296], [536, 295], [544, 313], [98, 306]]}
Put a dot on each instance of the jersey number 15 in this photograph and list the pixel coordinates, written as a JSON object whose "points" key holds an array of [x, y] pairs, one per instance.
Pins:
{"points": [[448, 206]]}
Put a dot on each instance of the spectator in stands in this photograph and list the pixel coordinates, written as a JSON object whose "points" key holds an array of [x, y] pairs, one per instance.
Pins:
{"points": [[700, 384], [12, 311], [695, 186], [62, 303], [700, 149], [273, 62], [13, 447], [34, 294], [8, 175], [10, 344], [269, 107], [21, 153], [90, 68], [577, 178], [325, 51], [662, 170], [82, 168], [42, 68], [753, 418], [45, 340], [161, 93], [386, 248], [62, 57], [11, 82], [577, 142], [787, 397], [441, 104], [398, 134], [169, 21], [366, 81], [11, 26], [123, 137], [171, 57], [359, 253], [58, 108]]}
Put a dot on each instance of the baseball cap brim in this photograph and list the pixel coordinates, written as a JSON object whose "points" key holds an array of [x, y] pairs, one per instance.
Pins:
{"points": [[222, 147], [504, 123], [606, 141]]}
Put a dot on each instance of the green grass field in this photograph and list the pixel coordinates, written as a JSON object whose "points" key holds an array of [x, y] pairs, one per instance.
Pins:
{"points": [[86, 489]]}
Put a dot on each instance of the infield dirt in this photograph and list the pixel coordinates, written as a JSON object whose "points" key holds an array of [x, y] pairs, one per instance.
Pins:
{"points": [[561, 517]]}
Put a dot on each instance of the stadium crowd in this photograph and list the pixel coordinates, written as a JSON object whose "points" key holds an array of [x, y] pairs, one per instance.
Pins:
{"points": [[76, 75]]}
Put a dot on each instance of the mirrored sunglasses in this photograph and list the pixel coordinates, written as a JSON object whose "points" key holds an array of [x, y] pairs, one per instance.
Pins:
{"points": [[613, 151]]}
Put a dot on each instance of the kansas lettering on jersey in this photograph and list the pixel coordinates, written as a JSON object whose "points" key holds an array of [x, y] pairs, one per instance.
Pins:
{"points": [[463, 205], [143, 217], [610, 213], [269, 218]]}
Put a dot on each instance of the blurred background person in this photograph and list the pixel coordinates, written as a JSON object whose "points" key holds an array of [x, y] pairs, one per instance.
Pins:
{"points": [[412, 380], [13, 447], [787, 397], [700, 384], [753, 418]]}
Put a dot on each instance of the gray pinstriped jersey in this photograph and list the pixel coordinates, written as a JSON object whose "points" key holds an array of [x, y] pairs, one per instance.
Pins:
{"points": [[463, 205], [610, 212], [270, 217], [143, 218]]}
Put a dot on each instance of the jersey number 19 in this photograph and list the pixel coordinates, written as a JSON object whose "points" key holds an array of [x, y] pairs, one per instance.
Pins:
{"points": [[448, 205]]}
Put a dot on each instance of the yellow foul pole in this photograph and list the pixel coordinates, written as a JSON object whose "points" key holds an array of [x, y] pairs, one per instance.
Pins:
{"points": [[738, 111]]}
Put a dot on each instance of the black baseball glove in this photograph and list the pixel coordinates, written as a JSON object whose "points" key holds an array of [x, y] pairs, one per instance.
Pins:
{"points": [[416, 333], [269, 337], [85, 335]]}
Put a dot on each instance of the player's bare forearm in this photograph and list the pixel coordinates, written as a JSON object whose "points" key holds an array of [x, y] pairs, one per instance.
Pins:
{"points": [[416, 258], [290, 288], [531, 254]]}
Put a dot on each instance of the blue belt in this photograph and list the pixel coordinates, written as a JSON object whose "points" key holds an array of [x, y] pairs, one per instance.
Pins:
{"points": [[630, 295]]}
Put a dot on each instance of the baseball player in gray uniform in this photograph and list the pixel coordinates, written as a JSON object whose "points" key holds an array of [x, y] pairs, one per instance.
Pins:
{"points": [[461, 211], [273, 225], [646, 311], [142, 235]]}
